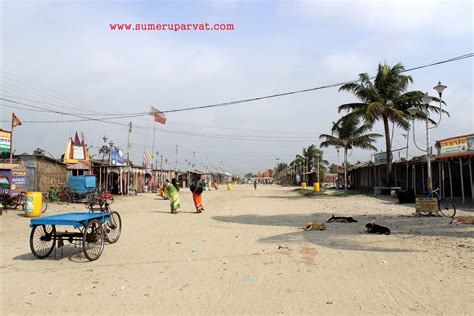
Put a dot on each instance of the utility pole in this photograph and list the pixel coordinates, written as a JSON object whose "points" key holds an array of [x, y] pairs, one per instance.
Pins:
{"points": [[408, 141], [318, 169], [194, 159], [176, 160], [161, 168], [128, 143]]}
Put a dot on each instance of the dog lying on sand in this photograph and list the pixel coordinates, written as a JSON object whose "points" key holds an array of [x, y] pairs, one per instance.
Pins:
{"points": [[341, 219], [462, 220], [373, 228], [314, 226]]}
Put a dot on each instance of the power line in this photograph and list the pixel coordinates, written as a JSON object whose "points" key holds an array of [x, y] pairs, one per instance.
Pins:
{"points": [[457, 58], [227, 137], [310, 89]]}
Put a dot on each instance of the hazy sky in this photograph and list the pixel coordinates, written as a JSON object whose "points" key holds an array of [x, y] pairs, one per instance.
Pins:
{"points": [[65, 54]]}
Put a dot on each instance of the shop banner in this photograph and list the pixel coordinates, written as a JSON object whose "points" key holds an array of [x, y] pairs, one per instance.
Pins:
{"points": [[117, 157], [380, 158], [456, 146]]}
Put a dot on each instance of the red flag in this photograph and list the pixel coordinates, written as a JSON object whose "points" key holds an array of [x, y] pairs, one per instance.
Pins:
{"points": [[15, 121], [158, 115]]}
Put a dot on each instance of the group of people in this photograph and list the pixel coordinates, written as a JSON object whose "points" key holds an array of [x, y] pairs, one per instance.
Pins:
{"points": [[172, 191]]}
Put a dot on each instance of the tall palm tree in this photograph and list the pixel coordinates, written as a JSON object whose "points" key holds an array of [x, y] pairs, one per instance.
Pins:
{"points": [[347, 134], [385, 99]]}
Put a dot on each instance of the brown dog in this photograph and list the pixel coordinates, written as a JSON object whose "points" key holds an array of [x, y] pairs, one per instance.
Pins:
{"points": [[314, 226]]}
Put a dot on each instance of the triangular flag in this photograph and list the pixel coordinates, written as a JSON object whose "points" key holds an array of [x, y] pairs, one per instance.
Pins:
{"points": [[15, 121]]}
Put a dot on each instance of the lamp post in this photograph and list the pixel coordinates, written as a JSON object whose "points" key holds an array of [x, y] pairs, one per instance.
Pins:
{"points": [[426, 99], [337, 166]]}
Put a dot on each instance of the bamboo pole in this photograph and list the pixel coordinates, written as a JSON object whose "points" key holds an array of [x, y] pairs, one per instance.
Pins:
{"points": [[462, 179], [470, 178], [450, 179]]}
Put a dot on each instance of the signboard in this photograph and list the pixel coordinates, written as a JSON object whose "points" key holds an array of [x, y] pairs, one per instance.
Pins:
{"points": [[78, 152], [5, 181], [456, 146], [117, 157], [5, 139], [380, 158], [12, 181]]}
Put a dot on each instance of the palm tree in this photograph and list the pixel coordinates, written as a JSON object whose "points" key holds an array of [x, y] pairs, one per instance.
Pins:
{"points": [[385, 99], [308, 159], [347, 134]]}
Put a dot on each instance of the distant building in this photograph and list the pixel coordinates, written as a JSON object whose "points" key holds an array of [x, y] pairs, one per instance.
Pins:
{"points": [[42, 172]]}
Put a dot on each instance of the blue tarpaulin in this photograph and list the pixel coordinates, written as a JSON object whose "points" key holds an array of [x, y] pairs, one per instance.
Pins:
{"points": [[82, 184]]}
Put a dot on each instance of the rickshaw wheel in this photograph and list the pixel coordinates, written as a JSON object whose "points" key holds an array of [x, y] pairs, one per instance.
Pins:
{"points": [[42, 240], [63, 198], [93, 240], [113, 227]]}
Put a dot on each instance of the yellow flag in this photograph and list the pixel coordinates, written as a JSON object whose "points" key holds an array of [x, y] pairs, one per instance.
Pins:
{"points": [[15, 121]]}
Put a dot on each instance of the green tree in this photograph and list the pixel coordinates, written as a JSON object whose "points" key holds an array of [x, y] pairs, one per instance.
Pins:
{"points": [[104, 151], [281, 166], [385, 99], [347, 134], [38, 152], [309, 159]]}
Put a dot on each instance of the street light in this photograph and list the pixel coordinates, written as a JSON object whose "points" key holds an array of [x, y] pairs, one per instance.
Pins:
{"points": [[426, 99], [337, 166]]}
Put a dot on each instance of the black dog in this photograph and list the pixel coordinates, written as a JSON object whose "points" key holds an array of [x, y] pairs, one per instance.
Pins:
{"points": [[341, 219], [377, 229]]}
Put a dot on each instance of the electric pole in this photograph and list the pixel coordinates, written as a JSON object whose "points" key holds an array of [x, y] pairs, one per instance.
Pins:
{"points": [[176, 160], [128, 143]]}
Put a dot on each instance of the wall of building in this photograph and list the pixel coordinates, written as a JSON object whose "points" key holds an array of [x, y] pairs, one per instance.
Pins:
{"points": [[49, 174]]}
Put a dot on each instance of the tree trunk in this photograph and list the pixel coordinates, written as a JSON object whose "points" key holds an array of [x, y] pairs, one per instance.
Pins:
{"points": [[388, 150], [345, 168]]}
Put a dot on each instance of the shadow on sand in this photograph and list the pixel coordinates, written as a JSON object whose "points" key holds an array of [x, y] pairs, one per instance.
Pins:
{"points": [[353, 236], [67, 252]]}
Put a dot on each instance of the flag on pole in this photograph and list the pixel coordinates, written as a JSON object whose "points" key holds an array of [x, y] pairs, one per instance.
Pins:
{"points": [[15, 121], [157, 115]]}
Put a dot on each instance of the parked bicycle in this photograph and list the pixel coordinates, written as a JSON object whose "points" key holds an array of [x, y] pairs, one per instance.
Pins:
{"points": [[57, 194], [14, 201], [446, 206]]}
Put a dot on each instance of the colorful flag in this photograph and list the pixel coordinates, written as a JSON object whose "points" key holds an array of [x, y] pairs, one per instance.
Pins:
{"points": [[15, 121], [157, 115]]}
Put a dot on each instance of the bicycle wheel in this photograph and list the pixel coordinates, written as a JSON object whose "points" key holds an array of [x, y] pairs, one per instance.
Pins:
{"points": [[113, 227], [44, 206], [93, 240], [63, 198], [42, 240], [447, 207]]}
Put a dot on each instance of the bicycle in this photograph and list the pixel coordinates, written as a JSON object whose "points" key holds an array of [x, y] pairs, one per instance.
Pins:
{"points": [[445, 206], [14, 201], [58, 194]]}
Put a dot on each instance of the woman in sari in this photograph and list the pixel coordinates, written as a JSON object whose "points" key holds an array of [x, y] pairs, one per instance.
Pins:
{"points": [[197, 190], [172, 190]]}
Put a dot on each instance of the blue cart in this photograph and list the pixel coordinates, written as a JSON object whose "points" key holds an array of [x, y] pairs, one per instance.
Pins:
{"points": [[93, 229]]}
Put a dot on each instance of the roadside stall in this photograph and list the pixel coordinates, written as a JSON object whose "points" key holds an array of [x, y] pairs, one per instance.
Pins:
{"points": [[12, 185]]}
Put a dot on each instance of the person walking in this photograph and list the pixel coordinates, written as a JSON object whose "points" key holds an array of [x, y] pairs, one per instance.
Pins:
{"points": [[255, 184], [172, 190], [197, 190]]}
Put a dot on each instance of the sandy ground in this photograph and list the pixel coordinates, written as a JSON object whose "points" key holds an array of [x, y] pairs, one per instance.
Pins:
{"points": [[227, 260]]}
